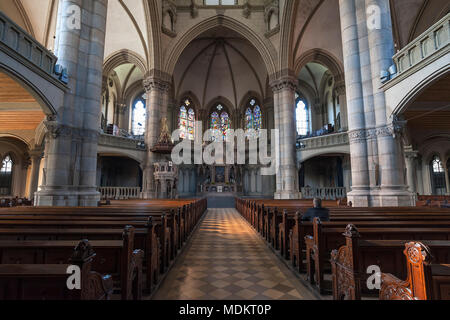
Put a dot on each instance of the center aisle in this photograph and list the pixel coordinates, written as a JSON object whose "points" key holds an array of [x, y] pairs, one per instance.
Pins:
{"points": [[227, 260]]}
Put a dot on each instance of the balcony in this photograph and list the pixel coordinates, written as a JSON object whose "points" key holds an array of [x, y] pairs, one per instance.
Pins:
{"points": [[18, 40], [308, 148], [418, 65]]}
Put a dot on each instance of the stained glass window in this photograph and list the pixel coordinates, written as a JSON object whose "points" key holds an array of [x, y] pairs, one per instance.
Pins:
{"points": [[253, 118], [139, 117], [302, 115], [220, 121], [187, 121], [438, 177], [6, 176]]}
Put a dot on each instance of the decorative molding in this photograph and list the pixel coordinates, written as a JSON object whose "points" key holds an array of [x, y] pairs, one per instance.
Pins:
{"points": [[289, 83], [169, 8], [151, 84], [271, 7]]}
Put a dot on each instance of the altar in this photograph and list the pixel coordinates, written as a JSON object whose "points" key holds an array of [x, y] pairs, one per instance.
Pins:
{"points": [[219, 179]]}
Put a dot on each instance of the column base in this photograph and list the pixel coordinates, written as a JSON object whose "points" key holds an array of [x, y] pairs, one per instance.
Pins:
{"points": [[148, 195], [382, 198], [287, 195], [66, 196]]}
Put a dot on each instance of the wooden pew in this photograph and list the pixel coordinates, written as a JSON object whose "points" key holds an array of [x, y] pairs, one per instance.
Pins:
{"points": [[116, 257], [425, 280], [325, 239], [350, 262], [49, 281]]}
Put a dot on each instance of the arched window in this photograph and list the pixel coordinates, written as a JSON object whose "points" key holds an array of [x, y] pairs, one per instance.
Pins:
{"points": [[139, 117], [302, 116], [6, 172], [253, 117], [187, 121], [220, 121], [438, 176]]}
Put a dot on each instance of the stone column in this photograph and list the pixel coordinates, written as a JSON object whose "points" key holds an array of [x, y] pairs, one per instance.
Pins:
{"points": [[156, 90], [72, 138], [411, 158], [447, 180], [341, 94], [36, 157], [360, 194], [287, 176], [390, 150]]}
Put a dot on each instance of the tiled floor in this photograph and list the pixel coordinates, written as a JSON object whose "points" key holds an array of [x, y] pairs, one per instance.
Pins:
{"points": [[227, 260]]}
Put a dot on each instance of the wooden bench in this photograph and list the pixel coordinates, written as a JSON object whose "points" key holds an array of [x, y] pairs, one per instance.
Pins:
{"points": [[350, 262], [116, 257], [425, 280], [325, 239], [49, 281]]}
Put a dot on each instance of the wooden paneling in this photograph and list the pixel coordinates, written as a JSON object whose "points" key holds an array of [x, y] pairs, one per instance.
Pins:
{"points": [[11, 91], [20, 120]]}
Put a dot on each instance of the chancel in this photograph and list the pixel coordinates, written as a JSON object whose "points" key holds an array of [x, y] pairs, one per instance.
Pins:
{"points": [[342, 109]]}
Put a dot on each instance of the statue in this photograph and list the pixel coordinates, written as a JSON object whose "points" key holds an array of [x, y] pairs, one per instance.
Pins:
{"points": [[165, 144], [165, 137]]}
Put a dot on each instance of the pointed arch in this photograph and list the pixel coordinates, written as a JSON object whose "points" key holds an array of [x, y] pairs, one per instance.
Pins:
{"points": [[263, 46]]}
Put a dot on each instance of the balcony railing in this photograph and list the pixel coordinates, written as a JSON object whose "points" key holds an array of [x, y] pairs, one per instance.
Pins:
{"points": [[430, 42], [121, 142], [22, 43], [120, 193], [324, 193], [323, 141]]}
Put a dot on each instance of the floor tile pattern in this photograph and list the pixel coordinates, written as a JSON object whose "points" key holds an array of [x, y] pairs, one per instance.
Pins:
{"points": [[227, 260]]}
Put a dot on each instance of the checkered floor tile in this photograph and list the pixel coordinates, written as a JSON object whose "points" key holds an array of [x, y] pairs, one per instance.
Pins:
{"points": [[227, 260]]}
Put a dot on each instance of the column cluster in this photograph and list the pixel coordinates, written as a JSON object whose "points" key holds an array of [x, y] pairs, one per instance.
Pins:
{"points": [[284, 110], [376, 150]]}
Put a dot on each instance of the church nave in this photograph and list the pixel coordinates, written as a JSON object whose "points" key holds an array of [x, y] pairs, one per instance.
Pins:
{"points": [[227, 260]]}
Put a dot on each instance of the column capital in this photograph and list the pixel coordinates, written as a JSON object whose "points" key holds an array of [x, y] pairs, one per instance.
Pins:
{"points": [[152, 83], [286, 82]]}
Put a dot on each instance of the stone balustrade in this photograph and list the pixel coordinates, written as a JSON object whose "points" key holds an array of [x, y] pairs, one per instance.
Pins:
{"points": [[332, 193], [120, 193], [435, 39], [17, 39], [323, 141], [121, 142]]}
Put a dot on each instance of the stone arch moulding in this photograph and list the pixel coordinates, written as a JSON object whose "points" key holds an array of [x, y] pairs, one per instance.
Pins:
{"points": [[222, 100], [191, 95], [324, 58], [49, 104], [251, 94], [121, 57], [263, 46], [418, 89]]}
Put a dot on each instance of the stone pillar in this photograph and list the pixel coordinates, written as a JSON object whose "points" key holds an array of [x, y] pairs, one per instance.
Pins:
{"points": [[341, 94], [411, 158], [390, 150], [34, 176], [360, 194], [72, 137], [157, 91], [284, 105], [447, 180]]}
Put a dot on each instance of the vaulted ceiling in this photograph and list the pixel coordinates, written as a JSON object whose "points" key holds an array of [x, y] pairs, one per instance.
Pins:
{"points": [[220, 63], [18, 109]]}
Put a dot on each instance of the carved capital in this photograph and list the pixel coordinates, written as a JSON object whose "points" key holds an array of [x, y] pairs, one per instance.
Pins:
{"points": [[286, 83], [151, 84], [56, 130]]}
